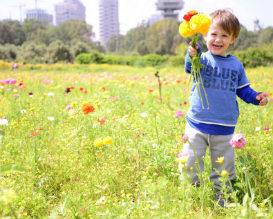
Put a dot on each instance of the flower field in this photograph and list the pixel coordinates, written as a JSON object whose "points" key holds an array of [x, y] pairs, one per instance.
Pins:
{"points": [[98, 141]]}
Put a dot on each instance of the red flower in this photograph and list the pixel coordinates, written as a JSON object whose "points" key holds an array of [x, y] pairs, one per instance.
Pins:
{"points": [[81, 89], [88, 109], [101, 120], [188, 16]]}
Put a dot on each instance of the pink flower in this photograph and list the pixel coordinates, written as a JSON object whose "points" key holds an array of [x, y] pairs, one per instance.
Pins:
{"points": [[16, 95], [266, 128], [179, 113], [185, 138], [68, 107], [270, 99], [160, 98], [238, 141]]}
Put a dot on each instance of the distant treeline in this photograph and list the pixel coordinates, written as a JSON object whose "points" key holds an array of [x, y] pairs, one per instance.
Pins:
{"points": [[34, 41]]}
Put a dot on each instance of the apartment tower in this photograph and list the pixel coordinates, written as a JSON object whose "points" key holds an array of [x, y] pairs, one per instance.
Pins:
{"points": [[68, 10], [108, 20]]}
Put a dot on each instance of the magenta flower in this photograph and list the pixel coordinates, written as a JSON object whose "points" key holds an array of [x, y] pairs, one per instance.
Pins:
{"points": [[238, 141], [266, 128], [179, 113], [185, 138], [16, 95], [68, 107]]}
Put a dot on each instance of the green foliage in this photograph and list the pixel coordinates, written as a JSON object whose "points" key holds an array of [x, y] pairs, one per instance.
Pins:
{"points": [[8, 52], [160, 37], [11, 33], [58, 51], [32, 53], [254, 57], [88, 58], [153, 60]]}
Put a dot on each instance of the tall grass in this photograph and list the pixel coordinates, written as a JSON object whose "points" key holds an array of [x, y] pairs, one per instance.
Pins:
{"points": [[50, 167]]}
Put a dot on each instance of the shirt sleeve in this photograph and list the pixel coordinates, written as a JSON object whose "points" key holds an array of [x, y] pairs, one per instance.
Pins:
{"points": [[248, 95]]}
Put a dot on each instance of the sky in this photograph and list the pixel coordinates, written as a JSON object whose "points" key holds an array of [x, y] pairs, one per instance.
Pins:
{"points": [[133, 12]]}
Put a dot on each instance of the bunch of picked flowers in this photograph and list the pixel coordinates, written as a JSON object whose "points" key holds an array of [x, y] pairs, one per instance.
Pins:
{"points": [[193, 24]]}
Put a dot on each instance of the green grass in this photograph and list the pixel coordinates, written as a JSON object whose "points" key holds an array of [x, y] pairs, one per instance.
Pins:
{"points": [[51, 168]]}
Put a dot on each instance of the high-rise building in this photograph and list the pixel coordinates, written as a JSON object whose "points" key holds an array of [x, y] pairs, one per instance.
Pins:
{"points": [[169, 8], [39, 14], [108, 20], [68, 10]]}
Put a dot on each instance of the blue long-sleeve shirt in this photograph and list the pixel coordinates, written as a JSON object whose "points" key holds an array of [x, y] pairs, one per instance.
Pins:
{"points": [[221, 119]]}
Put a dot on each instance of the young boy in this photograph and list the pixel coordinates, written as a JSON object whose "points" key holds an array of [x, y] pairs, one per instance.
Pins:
{"points": [[223, 78]]}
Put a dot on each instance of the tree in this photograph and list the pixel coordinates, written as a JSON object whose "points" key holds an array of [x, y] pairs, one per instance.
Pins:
{"points": [[11, 32], [162, 37], [58, 51], [134, 36], [33, 52], [265, 36], [36, 30], [74, 30], [114, 43]]}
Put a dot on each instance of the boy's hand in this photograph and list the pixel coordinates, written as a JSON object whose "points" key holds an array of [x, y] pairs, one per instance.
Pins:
{"points": [[261, 97], [192, 51]]}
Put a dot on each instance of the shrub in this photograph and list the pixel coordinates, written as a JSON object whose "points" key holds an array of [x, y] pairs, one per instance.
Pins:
{"points": [[154, 59], [88, 58], [254, 57]]}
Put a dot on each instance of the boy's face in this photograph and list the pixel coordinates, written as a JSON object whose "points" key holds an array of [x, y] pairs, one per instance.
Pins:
{"points": [[218, 40]]}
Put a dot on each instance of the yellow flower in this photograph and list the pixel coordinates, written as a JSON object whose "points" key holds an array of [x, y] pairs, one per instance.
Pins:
{"points": [[182, 159], [107, 140], [185, 29], [98, 142], [224, 173], [84, 103], [200, 23], [220, 160]]}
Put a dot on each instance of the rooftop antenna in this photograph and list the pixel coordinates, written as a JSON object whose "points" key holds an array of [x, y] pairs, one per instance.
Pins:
{"points": [[20, 9]]}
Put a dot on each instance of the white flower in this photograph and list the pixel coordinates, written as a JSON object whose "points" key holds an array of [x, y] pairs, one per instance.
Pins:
{"points": [[50, 94], [50, 118], [258, 128], [144, 115], [4, 122], [23, 111]]}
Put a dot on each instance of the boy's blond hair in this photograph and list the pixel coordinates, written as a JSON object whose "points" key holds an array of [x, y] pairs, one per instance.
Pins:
{"points": [[227, 20]]}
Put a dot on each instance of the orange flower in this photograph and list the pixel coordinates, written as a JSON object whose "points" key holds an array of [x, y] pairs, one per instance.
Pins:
{"points": [[101, 120], [87, 108]]}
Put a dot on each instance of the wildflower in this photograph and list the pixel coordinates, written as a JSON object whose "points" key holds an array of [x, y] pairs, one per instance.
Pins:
{"points": [[87, 108], [68, 107], [179, 113], [50, 118], [220, 160], [266, 128], [7, 195], [107, 140], [50, 94], [98, 142], [224, 173], [185, 138], [16, 96], [182, 158], [30, 94], [144, 115], [68, 89], [101, 120], [4, 121], [258, 128], [238, 141]]}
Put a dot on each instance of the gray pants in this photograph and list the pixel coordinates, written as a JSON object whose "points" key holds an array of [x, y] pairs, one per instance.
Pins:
{"points": [[218, 147]]}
